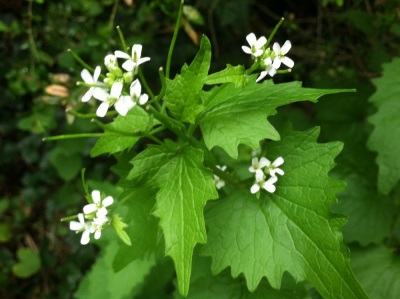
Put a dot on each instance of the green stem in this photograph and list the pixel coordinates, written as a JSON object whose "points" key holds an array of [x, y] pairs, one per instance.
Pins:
{"points": [[273, 32], [146, 86], [81, 62], [221, 174], [69, 218], [111, 129], [172, 45], [255, 65], [90, 115], [113, 13], [72, 136], [122, 39]]}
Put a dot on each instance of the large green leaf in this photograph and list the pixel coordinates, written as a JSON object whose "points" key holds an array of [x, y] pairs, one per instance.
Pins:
{"points": [[385, 136], [185, 186], [182, 95], [378, 269], [120, 134], [290, 230], [238, 115]]}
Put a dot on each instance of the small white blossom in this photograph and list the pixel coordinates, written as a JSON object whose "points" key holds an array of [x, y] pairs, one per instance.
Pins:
{"points": [[135, 91], [257, 166], [132, 62], [99, 206], [269, 69], [110, 61], [218, 182], [92, 80], [273, 167], [280, 55], [97, 225], [261, 183], [256, 45], [122, 103], [83, 227]]}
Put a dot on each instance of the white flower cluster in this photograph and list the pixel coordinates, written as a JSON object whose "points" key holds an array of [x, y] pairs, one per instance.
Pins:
{"points": [[263, 168], [217, 180], [270, 60], [96, 214], [112, 91]]}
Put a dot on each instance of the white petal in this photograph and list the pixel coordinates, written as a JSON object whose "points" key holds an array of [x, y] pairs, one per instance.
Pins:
{"points": [[74, 225], [258, 53], [268, 61], [276, 48], [135, 89], [269, 187], [246, 50], [85, 237], [286, 47], [277, 63], [279, 171], [86, 76], [138, 50], [259, 175], [86, 97], [100, 94], [97, 234], [81, 219], [121, 54], [278, 162], [100, 214], [116, 89], [264, 162], [96, 74], [251, 39], [271, 71], [262, 75], [108, 201], [121, 107], [90, 208], [128, 65], [220, 184], [288, 62], [255, 188], [261, 42], [96, 196], [102, 110], [254, 161], [143, 99], [142, 60]]}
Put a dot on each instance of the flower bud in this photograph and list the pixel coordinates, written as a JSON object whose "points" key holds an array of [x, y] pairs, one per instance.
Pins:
{"points": [[128, 77]]}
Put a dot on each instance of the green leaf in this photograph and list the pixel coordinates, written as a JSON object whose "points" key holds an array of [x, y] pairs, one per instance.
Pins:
{"points": [[236, 116], [67, 164], [143, 230], [378, 269], [102, 283], [119, 135], [29, 263], [385, 136], [182, 95], [5, 232], [233, 74], [119, 225], [185, 186], [290, 230]]}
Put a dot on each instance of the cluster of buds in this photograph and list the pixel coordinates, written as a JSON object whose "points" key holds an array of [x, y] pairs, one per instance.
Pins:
{"points": [[265, 173], [93, 219], [270, 60], [114, 89]]}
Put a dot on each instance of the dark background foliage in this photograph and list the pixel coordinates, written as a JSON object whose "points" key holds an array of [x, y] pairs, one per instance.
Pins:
{"points": [[334, 45]]}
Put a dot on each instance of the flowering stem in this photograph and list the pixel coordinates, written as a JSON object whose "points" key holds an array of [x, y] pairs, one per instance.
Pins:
{"points": [[163, 88], [77, 58], [172, 45], [85, 187], [273, 32], [90, 115], [69, 218], [72, 136], [253, 68], [122, 39]]}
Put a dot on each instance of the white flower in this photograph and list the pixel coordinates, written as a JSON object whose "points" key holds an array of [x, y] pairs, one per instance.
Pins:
{"points": [[280, 55], [269, 69], [135, 91], [257, 166], [132, 62], [122, 103], [110, 61], [99, 206], [273, 167], [81, 226], [92, 80], [218, 182], [256, 45], [97, 225], [261, 183]]}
